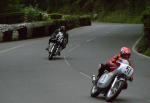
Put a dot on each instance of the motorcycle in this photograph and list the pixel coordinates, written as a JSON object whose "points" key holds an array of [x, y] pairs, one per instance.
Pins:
{"points": [[110, 84], [55, 45]]}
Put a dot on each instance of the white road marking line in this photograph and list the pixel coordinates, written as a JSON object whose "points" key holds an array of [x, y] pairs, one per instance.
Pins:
{"points": [[134, 48], [85, 75], [89, 40], [66, 61], [19, 46], [72, 49], [10, 49]]}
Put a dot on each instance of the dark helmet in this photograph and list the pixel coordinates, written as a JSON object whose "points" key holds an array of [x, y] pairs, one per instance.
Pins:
{"points": [[62, 28], [125, 52]]}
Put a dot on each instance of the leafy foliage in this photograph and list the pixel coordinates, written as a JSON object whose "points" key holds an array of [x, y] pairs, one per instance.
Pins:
{"points": [[147, 11], [32, 14], [143, 46], [55, 16], [106, 10]]}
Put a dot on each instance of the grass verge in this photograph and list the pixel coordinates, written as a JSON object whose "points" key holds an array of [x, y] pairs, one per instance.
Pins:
{"points": [[118, 17], [143, 46]]}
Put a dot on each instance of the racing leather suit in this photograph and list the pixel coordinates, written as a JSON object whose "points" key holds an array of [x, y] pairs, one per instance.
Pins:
{"points": [[111, 65], [65, 41]]}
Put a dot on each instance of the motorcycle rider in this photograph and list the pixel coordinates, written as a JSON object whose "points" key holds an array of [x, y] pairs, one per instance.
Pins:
{"points": [[53, 37], [112, 64]]}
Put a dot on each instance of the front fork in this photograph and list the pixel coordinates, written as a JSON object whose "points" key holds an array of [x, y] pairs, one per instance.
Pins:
{"points": [[52, 48], [57, 49], [118, 79], [115, 80]]}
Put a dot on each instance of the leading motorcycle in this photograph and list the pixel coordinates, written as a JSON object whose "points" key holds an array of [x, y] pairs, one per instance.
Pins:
{"points": [[110, 84], [55, 45]]}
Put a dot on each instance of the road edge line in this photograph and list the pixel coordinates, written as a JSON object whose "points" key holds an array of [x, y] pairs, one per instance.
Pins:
{"points": [[81, 73]]}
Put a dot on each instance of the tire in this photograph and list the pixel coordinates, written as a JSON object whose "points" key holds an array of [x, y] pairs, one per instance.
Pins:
{"points": [[95, 91], [51, 52], [117, 92], [50, 57]]}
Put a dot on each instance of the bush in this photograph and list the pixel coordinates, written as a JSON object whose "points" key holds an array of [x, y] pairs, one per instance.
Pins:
{"points": [[119, 16], [85, 20], [146, 15], [72, 21], [143, 45], [147, 52], [11, 18], [146, 11], [32, 14], [55, 16], [71, 17]]}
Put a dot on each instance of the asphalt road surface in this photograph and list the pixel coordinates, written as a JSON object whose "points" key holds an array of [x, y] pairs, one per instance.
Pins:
{"points": [[27, 76]]}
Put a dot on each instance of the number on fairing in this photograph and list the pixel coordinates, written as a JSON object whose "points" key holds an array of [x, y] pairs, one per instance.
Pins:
{"points": [[128, 71]]}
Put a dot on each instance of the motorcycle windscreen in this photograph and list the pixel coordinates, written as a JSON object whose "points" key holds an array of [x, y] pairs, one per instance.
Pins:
{"points": [[105, 80]]}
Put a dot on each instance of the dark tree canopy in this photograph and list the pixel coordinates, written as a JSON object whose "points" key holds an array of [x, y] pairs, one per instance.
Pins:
{"points": [[76, 5]]}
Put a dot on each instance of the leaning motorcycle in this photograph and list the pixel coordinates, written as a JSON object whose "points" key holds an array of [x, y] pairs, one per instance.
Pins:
{"points": [[110, 84], [55, 45]]}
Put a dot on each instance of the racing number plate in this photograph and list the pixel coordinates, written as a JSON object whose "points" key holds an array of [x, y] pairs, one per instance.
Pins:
{"points": [[128, 71]]}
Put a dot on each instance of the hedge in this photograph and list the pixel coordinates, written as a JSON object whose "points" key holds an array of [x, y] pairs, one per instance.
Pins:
{"points": [[45, 28], [11, 18]]}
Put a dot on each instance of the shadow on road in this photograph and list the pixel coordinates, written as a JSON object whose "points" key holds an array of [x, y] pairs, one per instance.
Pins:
{"points": [[100, 98], [117, 100], [57, 58], [54, 58]]}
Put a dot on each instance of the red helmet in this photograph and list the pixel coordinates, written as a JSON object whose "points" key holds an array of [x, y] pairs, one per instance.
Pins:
{"points": [[125, 52]]}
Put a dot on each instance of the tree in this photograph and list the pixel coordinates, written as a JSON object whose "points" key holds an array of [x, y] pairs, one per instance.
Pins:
{"points": [[8, 5]]}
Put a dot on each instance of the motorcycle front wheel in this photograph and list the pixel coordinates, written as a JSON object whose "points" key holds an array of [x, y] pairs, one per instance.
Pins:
{"points": [[50, 56], [51, 52], [95, 91], [114, 91]]}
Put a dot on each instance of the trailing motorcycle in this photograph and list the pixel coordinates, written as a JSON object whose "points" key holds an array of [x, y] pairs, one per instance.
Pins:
{"points": [[55, 45], [110, 84]]}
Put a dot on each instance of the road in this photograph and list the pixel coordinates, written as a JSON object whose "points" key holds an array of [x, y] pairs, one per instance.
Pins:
{"points": [[27, 76]]}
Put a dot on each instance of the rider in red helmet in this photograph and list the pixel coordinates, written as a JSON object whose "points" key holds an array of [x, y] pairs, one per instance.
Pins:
{"points": [[125, 53], [112, 64]]}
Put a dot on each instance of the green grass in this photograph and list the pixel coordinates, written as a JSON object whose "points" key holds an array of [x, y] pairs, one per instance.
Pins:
{"points": [[147, 52], [143, 46], [118, 17]]}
